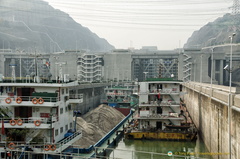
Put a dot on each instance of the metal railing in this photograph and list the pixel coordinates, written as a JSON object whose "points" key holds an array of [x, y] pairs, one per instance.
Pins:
{"points": [[76, 96], [162, 103], [160, 116], [20, 99], [116, 100], [27, 120], [169, 103], [164, 91], [68, 139]]}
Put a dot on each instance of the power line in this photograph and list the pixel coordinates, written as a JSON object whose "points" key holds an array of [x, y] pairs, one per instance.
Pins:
{"points": [[144, 18], [236, 6], [179, 16]]}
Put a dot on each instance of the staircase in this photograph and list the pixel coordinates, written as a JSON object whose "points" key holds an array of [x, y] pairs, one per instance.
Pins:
{"points": [[33, 133], [66, 142], [187, 68]]}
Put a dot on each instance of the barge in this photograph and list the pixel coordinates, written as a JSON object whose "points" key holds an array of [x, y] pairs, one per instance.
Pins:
{"points": [[160, 113]]}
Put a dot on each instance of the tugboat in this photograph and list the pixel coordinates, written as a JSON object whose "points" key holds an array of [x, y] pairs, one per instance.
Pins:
{"points": [[35, 116], [160, 113]]}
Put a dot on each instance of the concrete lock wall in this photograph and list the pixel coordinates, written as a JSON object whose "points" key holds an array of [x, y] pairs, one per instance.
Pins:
{"points": [[92, 94], [208, 107]]}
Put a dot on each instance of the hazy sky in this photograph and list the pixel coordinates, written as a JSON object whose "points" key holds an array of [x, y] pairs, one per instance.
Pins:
{"points": [[166, 24]]}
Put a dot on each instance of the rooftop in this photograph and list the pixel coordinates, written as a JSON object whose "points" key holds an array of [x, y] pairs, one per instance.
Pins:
{"points": [[162, 79], [31, 83]]}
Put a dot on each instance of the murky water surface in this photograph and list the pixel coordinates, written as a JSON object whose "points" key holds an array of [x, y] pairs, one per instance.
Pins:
{"points": [[148, 149]]}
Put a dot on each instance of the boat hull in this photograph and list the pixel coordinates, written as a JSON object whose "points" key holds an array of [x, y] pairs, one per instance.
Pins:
{"points": [[174, 136]]}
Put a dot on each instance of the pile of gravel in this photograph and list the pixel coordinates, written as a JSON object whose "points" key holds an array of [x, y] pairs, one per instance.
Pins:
{"points": [[96, 124]]}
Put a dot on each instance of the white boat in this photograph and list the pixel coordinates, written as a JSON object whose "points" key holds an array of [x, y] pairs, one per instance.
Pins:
{"points": [[36, 117], [160, 115], [120, 96]]}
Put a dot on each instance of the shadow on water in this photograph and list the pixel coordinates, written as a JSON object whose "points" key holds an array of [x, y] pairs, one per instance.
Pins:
{"points": [[126, 148]]}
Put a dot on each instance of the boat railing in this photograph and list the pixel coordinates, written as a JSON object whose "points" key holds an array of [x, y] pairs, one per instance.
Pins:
{"points": [[59, 146], [76, 96], [19, 99], [67, 139], [154, 129], [115, 100], [20, 121], [16, 145], [22, 153], [169, 103], [161, 116], [157, 103], [163, 91]]}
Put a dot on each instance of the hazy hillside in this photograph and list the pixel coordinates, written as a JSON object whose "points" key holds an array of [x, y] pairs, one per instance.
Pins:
{"points": [[35, 25], [216, 32]]}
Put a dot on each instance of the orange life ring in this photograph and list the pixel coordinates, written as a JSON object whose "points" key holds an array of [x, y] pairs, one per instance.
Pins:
{"points": [[37, 122], [34, 100], [11, 146], [47, 147], [40, 101], [12, 122], [53, 147], [19, 100], [19, 122], [8, 100]]}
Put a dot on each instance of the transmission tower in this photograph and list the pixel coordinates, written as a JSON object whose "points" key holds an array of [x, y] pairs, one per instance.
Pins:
{"points": [[235, 8]]}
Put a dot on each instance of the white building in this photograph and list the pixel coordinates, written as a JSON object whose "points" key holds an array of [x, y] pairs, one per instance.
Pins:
{"points": [[89, 67]]}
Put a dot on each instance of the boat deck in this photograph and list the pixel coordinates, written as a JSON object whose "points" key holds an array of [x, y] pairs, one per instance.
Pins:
{"points": [[107, 144]]}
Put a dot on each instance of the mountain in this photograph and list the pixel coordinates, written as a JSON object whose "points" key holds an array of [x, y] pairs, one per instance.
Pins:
{"points": [[36, 26], [216, 32]]}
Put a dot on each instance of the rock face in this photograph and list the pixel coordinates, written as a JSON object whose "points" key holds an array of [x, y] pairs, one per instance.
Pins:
{"points": [[216, 33], [96, 124], [36, 26]]}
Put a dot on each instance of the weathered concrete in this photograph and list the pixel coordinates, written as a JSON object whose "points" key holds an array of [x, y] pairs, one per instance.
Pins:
{"points": [[208, 107], [92, 94]]}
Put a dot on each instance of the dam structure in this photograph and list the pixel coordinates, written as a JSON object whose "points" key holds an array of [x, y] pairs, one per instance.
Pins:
{"points": [[208, 104], [208, 107]]}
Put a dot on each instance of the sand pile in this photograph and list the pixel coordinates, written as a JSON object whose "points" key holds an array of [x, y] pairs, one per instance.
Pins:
{"points": [[96, 124]]}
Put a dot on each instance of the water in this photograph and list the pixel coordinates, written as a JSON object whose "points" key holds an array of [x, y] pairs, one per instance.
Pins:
{"points": [[125, 149]]}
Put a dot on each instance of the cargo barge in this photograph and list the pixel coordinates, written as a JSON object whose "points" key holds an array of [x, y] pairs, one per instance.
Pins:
{"points": [[160, 114]]}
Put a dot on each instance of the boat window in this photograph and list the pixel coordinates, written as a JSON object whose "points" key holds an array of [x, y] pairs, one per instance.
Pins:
{"points": [[61, 110], [61, 130], [66, 108], [56, 132], [62, 91], [66, 90], [69, 107], [70, 125], [159, 110], [66, 127], [147, 122]]}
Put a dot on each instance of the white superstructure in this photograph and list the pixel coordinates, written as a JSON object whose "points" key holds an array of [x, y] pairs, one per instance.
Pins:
{"points": [[37, 115], [159, 104]]}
